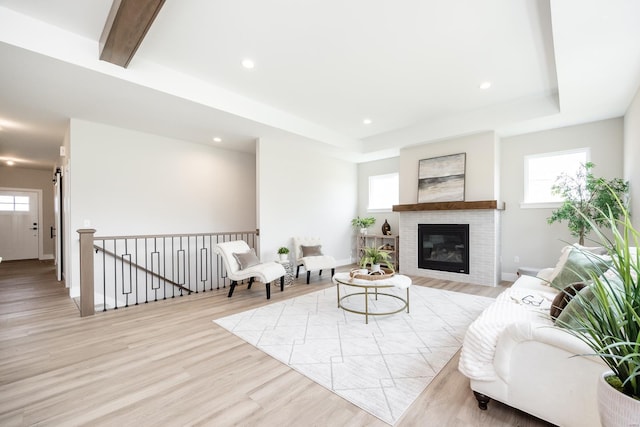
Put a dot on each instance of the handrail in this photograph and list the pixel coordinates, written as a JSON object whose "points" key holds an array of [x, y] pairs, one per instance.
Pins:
{"points": [[108, 252], [159, 236]]}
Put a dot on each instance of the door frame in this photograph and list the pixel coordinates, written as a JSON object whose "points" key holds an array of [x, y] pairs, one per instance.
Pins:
{"points": [[40, 234]]}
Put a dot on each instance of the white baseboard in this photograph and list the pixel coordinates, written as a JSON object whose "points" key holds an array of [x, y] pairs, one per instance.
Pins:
{"points": [[46, 256]]}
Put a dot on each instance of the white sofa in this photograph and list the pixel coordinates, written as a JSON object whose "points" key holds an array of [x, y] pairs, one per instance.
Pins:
{"points": [[513, 353]]}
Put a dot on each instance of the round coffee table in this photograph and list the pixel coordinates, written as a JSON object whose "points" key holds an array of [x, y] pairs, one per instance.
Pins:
{"points": [[373, 287]]}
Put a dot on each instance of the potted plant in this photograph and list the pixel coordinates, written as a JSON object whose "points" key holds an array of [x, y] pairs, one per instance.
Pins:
{"points": [[375, 257], [585, 198], [363, 223], [283, 253], [606, 316]]}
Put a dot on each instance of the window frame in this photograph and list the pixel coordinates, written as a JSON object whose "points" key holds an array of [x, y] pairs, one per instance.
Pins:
{"points": [[528, 204], [371, 179], [17, 206]]}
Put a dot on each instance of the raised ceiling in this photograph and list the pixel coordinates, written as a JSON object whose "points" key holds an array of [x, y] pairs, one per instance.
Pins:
{"points": [[321, 67]]}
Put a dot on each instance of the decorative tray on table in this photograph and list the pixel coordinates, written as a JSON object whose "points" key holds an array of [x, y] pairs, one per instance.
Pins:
{"points": [[384, 273]]}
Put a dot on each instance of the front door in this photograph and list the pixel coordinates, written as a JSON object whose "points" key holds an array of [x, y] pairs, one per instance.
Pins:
{"points": [[19, 228]]}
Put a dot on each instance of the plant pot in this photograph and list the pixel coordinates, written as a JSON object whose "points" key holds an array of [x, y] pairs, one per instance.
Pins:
{"points": [[363, 230], [283, 257], [616, 408], [375, 268]]}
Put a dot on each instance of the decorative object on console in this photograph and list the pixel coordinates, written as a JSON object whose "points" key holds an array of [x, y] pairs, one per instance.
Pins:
{"points": [[386, 228], [441, 179], [587, 200], [363, 223], [364, 274]]}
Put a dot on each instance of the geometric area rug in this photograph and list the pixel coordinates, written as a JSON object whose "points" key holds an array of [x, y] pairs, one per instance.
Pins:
{"points": [[381, 367]]}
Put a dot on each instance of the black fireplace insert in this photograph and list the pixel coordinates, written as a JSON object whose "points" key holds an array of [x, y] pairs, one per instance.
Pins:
{"points": [[444, 247]]}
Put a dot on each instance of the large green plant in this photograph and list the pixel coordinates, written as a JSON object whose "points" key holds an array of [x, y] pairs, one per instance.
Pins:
{"points": [[606, 315], [585, 199]]}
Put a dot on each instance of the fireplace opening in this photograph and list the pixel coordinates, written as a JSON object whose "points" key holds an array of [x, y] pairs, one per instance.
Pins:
{"points": [[444, 247]]}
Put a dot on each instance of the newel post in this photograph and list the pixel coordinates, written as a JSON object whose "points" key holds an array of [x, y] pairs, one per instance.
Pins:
{"points": [[87, 307]]}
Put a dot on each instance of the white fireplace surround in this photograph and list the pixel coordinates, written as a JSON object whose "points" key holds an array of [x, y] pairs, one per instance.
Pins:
{"points": [[484, 243]]}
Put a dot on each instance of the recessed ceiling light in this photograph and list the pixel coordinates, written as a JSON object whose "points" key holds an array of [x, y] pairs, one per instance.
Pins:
{"points": [[485, 85], [367, 121], [10, 162], [248, 63], [217, 139]]}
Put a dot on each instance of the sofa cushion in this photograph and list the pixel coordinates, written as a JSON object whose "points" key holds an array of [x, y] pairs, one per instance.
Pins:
{"points": [[562, 299], [612, 284], [575, 264], [575, 308], [246, 259], [311, 250]]}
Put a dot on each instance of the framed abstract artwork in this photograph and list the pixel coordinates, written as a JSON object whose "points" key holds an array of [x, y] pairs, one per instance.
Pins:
{"points": [[441, 179]]}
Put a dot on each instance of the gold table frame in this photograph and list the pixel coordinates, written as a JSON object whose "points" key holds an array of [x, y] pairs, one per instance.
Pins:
{"points": [[367, 290]]}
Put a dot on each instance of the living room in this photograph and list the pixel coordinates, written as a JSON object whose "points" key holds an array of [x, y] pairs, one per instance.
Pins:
{"points": [[124, 177]]}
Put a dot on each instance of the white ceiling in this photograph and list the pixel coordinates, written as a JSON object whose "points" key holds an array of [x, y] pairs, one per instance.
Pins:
{"points": [[413, 67]]}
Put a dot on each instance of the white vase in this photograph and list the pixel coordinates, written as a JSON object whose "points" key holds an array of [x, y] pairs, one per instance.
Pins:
{"points": [[363, 230], [283, 257], [375, 268], [616, 408]]}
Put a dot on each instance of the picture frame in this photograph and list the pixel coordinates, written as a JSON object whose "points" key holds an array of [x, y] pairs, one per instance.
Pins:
{"points": [[442, 179]]}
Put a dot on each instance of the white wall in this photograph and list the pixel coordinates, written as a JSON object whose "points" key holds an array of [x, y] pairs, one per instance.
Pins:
{"points": [[126, 182], [481, 182], [632, 156], [525, 232], [303, 191]]}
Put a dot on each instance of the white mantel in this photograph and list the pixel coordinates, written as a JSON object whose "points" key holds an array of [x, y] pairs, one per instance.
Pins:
{"points": [[484, 238]]}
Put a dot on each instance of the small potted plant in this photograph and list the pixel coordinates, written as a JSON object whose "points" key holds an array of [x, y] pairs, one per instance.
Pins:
{"points": [[375, 257], [363, 223], [283, 252]]}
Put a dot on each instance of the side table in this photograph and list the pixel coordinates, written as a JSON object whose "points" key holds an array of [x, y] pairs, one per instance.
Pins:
{"points": [[288, 267]]}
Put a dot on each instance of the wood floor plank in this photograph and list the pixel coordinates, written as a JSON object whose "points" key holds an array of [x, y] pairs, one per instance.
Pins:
{"points": [[167, 363]]}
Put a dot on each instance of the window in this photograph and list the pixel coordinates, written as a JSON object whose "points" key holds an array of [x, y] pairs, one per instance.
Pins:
{"points": [[383, 192], [541, 171], [14, 203]]}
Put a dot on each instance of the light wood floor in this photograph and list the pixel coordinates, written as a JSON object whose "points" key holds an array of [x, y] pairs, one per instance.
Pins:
{"points": [[167, 363]]}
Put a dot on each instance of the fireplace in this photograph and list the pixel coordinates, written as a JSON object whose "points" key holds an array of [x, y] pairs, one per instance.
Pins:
{"points": [[444, 247]]}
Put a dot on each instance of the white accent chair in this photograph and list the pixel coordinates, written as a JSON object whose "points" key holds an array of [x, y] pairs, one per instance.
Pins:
{"points": [[265, 272], [313, 262]]}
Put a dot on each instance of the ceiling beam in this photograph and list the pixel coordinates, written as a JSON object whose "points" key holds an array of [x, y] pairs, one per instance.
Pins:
{"points": [[126, 26]]}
